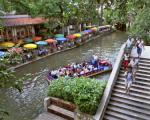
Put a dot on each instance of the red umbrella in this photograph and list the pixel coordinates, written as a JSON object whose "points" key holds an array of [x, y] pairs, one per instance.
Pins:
{"points": [[71, 36], [37, 38], [50, 41]]}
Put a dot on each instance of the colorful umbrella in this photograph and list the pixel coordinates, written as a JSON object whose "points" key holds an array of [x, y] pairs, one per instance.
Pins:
{"points": [[88, 26], [71, 37], [2, 53], [77, 35], [50, 41], [28, 40], [83, 33], [87, 31], [37, 38], [59, 36], [7, 44], [17, 50], [30, 46], [94, 29], [61, 39], [41, 43]]}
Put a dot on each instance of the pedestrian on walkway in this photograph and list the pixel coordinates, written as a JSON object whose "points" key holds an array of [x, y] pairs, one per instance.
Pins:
{"points": [[134, 66], [126, 61], [128, 80], [140, 47]]}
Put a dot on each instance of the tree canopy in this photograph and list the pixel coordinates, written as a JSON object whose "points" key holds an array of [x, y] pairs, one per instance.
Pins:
{"points": [[135, 13]]}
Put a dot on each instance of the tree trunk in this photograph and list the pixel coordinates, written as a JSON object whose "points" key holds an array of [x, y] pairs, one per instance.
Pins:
{"points": [[100, 13]]}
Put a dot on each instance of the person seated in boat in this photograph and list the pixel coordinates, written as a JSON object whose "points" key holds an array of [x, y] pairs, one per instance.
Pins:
{"points": [[49, 77], [86, 70], [82, 72], [54, 74], [75, 75]]}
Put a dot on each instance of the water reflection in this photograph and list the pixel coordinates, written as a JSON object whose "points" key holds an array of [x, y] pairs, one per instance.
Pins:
{"points": [[28, 104]]}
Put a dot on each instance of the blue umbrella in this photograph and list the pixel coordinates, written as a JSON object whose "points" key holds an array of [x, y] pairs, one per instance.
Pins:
{"points": [[88, 31], [41, 43], [2, 53], [61, 39]]}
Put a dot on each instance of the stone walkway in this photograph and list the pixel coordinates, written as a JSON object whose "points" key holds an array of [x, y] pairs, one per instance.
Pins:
{"points": [[48, 116], [145, 52]]}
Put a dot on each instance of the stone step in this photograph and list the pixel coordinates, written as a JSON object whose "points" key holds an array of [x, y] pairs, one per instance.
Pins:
{"points": [[131, 103], [143, 71], [144, 64], [130, 108], [132, 89], [118, 115], [140, 96], [142, 79], [138, 80], [143, 75], [61, 112], [128, 113], [144, 61], [144, 67], [131, 98]]}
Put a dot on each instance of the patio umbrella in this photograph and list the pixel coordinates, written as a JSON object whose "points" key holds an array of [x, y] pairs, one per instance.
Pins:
{"points": [[77, 35], [61, 39], [83, 33], [41, 43], [7, 44], [2, 53], [37, 38], [71, 37], [59, 36], [30, 46], [94, 29], [28, 40], [87, 31], [50, 41]]}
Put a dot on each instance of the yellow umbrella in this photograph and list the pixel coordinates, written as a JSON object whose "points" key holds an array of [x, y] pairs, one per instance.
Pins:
{"points": [[77, 35], [94, 28], [30, 46], [7, 44]]}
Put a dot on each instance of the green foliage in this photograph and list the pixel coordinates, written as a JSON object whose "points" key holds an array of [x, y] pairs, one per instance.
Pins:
{"points": [[7, 78], [84, 92]]}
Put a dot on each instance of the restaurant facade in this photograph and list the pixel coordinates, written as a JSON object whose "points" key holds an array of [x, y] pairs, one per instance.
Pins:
{"points": [[16, 27]]}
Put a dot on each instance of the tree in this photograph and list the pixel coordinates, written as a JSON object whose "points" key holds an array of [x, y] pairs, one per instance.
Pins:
{"points": [[8, 80]]}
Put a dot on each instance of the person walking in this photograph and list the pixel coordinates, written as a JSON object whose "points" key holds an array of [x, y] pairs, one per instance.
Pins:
{"points": [[134, 65], [128, 80], [140, 47], [126, 61]]}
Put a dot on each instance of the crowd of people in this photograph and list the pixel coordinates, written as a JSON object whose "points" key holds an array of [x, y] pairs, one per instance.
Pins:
{"points": [[80, 69], [130, 63]]}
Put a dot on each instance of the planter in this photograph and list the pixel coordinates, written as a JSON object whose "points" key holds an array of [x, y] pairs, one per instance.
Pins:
{"points": [[65, 109]]}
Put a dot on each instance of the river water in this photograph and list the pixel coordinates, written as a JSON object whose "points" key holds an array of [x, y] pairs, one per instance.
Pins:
{"points": [[29, 103]]}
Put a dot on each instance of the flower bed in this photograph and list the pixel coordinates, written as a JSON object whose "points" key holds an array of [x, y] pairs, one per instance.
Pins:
{"points": [[85, 93]]}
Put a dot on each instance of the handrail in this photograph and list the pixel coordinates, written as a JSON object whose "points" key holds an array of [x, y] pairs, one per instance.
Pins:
{"points": [[111, 82]]}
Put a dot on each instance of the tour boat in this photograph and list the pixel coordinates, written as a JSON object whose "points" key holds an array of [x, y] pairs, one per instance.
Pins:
{"points": [[104, 66]]}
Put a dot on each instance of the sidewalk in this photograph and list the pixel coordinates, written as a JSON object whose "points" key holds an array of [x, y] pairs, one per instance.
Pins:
{"points": [[145, 52], [48, 116]]}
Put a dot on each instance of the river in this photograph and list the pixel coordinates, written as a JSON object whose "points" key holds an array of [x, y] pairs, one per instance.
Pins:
{"points": [[29, 103]]}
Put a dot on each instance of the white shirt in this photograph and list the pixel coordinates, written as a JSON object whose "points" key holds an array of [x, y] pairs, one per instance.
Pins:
{"points": [[128, 43]]}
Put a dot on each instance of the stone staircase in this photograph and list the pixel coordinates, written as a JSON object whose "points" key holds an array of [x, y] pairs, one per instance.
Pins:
{"points": [[136, 105]]}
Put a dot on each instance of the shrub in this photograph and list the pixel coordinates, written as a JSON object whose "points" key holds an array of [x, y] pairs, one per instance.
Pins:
{"points": [[84, 92]]}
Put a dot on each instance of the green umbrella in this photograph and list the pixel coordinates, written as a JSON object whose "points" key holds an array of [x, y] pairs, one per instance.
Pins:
{"points": [[59, 36], [28, 40]]}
